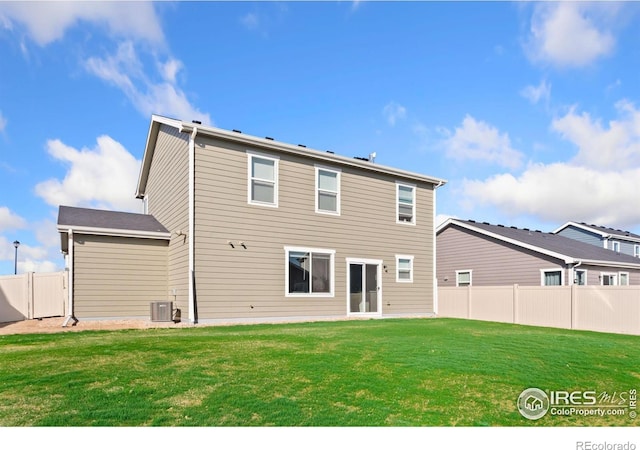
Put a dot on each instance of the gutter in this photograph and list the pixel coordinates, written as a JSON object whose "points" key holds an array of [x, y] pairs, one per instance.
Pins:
{"points": [[70, 316], [573, 269], [193, 318]]}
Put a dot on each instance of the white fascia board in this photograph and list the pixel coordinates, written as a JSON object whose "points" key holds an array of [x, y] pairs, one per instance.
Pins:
{"points": [[582, 227], [565, 258], [615, 264], [319, 155], [115, 232]]}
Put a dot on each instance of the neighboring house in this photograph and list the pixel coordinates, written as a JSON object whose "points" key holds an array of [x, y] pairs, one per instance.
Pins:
{"points": [[619, 241], [255, 229], [481, 254]]}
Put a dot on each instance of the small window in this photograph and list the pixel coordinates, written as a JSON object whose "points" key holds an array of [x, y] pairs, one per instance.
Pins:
{"points": [[327, 191], [309, 272], [551, 277], [404, 269], [406, 203], [608, 279], [580, 277], [636, 250], [615, 246], [263, 180], [624, 278], [463, 278]]}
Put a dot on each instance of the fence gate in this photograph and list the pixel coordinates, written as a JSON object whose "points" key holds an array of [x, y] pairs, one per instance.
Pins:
{"points": [[32, 296]]}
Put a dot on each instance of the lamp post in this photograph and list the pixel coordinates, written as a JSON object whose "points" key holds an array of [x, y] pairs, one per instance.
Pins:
{"points": [[16, 244]]}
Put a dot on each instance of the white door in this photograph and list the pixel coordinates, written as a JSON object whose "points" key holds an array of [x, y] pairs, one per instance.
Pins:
{"points": [[364, 290]]}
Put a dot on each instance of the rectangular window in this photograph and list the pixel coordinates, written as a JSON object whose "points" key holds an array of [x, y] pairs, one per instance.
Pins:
{"points": [[404, 269], [580, 277], [636, 250], [608, 279], [327, 191], [263, 180], [309, 272], [624, 278], [406, 204], [615, 246], [463, 278], [551, 277]]}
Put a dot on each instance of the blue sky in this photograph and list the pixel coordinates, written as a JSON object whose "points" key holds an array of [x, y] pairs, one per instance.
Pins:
{"points": [[531, 111]]}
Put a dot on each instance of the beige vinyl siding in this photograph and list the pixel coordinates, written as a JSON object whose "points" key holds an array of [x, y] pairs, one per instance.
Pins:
{"points": [[168, 193], [494, 263], [250, 282], [594, 273], [117, 276]]}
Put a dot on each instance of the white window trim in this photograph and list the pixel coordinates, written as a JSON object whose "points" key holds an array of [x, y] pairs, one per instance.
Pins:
{"points": [[145, 204], [620, 277], [615, 246], [338, 173], [609, 274], [556, 269], [464, 271], [636, 250], [309, 250], [276, 161], [415, 198], [364, 261], [398, 258], [586, 277]]}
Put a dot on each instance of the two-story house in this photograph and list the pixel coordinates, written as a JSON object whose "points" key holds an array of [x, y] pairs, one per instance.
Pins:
{"points": [[619, 241], [242, 228]]}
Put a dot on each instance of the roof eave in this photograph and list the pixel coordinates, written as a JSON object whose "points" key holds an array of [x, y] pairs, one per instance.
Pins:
{"points": [[115, 232]]}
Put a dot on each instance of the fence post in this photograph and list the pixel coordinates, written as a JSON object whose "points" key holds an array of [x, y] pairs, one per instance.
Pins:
{"points": [[469, 302], [574, 294], [516, 305], [29, 280]]}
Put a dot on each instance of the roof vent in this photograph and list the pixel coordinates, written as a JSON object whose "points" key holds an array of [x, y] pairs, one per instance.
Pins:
{"points": [[361, 158], [301, 145], [372, 157], [486, 223], [237, 131], [472, 221], [515, 228], [329, 151], [197, 122], [502, 226], [269, 138]]}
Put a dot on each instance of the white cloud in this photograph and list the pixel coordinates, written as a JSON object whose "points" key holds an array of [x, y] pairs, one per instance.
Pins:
{"points": [[31, 265], [250, 20], [599, 185], [616, 146], [571, 34], [47, 22], [10, 220], [3, 122], [393, 112], [477, 140], [102, 177], [536, 93], [125, 71]]}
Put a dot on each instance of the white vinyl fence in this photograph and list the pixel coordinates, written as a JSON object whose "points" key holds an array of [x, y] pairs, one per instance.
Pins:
{"points": [[612, 309], [32, 296]]}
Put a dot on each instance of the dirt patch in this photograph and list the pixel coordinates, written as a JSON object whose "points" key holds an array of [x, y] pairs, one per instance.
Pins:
{"points": [[54, 325]]}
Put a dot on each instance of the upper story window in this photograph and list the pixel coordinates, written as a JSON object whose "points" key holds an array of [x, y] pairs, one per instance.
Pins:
{"points": [[405, 203], [636, 250], [327, 191], [262, 180], [615, 246]]}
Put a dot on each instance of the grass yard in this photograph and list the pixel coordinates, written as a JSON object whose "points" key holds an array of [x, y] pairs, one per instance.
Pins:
{"points": [[405, 372]]}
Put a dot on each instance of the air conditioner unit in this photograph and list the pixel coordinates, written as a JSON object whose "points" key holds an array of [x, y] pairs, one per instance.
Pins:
{"points": [[161, 311]]}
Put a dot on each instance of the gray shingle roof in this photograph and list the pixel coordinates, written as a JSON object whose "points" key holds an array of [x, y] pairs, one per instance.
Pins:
{"points": [[555, 243], [612, 231], [72, 217]]}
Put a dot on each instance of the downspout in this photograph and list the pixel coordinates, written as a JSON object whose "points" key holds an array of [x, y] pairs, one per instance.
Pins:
{"points": [[435, 277], [192, 226], [70, 317], [573, 270]]}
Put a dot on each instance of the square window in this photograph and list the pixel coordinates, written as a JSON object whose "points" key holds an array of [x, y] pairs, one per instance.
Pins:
{"points": [[463, 278], [551, 277]]}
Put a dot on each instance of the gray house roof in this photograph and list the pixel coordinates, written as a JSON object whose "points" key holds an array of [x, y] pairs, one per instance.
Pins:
{"points": [[605, 232], [267, 144], [112, 223], [569, 250]]}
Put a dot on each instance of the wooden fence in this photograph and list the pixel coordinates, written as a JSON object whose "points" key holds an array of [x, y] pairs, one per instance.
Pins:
{"points": [[32, 296], [612, 309]]}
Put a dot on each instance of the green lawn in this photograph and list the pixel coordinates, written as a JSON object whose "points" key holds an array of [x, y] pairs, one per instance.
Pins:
{"points": [[405, 372]]}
